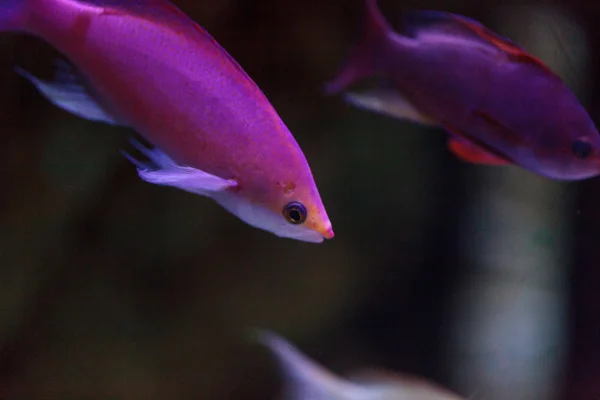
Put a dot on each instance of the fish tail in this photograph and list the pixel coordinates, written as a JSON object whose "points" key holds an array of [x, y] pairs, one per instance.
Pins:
{"points": [[14, 15], [363, 58]]}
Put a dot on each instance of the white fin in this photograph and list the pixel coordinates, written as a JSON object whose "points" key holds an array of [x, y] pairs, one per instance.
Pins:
{"points": [[169, 173], [403, 386], [66, 92], [389, 102], [305, 379]]}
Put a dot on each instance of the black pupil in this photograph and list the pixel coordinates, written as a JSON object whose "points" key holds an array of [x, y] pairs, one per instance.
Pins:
{"points": [[581, 149], [295, 214]]}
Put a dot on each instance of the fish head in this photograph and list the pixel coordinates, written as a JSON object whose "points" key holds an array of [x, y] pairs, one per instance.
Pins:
{"points": [[569, 153], [287, 205], [584, 152], [300, 211]]}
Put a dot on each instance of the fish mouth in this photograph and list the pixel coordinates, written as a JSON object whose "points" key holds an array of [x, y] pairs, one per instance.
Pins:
{"points": [[326, 231], [315, 234], [310, 237]]}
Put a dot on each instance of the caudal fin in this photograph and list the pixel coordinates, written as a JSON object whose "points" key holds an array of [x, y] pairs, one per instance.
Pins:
{"points": [[362, 60], [13, 15]]}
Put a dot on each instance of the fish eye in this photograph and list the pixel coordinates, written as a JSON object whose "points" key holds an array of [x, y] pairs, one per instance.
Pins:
{"points": [[581, 148], [295, 213]]}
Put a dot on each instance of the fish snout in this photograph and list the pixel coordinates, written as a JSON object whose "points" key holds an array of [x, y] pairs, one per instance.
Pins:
{"points": [[326, 230]]}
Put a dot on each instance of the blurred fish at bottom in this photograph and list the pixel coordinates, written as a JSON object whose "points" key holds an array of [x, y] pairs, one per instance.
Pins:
{"points": [[499, 104], [306, 380]]}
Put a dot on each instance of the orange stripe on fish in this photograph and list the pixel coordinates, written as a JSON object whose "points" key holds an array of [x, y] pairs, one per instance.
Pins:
{"points": [[418, 22], [514, 52], [467, 151]]}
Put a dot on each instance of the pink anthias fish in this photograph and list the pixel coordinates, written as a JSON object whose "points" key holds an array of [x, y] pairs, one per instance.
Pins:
{"points": [[146, 65], [499, 104], [306, 380]]}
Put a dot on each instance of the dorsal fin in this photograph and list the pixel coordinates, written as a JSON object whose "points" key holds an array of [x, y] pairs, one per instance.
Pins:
{"points": [[162, 11], [417, 23], [428, 21], [147, 8]]}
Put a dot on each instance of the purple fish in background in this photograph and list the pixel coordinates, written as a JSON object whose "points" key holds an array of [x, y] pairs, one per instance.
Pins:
{"points": [[306, 380], [499, 104], [146, 65]]}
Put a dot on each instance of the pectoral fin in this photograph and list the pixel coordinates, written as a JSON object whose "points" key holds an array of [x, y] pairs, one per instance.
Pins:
{"points": [[469, 149], [167, 172], [472, 153]]}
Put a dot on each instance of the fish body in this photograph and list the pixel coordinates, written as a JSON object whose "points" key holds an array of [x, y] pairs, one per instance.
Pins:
{"points": [[306, 380], [146, 65], [499, 104]]}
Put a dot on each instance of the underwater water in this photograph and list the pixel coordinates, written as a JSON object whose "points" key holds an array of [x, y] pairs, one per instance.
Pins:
{"points": [[482, 279]]}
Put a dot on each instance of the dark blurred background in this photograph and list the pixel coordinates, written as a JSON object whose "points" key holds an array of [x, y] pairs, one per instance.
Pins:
{"points": [[483, 279]]}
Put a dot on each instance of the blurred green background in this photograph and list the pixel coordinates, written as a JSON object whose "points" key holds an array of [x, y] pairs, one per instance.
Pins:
{"points": [[483, 279]]}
